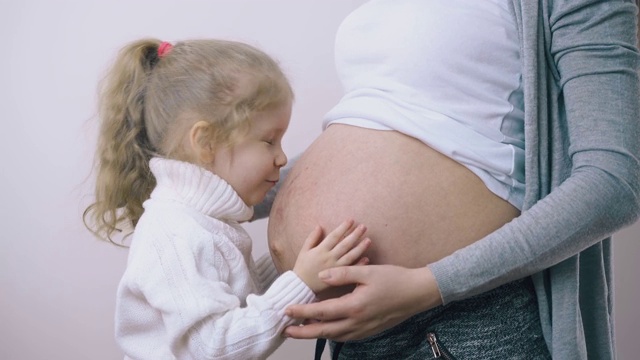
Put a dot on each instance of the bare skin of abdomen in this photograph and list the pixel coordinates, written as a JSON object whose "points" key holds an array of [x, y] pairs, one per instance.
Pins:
{"points": [[418, 205]]}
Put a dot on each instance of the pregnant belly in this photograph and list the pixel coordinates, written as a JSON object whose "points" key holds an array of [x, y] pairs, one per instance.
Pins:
{"points": [[417, 204]]}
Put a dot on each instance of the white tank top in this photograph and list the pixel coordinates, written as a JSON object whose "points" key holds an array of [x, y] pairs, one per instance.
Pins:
{"points": [[446, 72]]}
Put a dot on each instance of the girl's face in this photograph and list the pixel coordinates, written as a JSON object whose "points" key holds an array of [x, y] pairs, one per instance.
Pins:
{"points": [[252, 165]]}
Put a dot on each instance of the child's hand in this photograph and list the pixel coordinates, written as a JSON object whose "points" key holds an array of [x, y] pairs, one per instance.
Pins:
{"points": [[343, 246]]}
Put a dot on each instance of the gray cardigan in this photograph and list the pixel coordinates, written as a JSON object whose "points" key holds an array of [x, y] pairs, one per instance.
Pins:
{"points": [[582, 107]]}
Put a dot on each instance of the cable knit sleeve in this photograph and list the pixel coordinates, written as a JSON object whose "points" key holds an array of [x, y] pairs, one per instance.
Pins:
{"points": [[229, 331], [267, 271], [192, 290], [591, 172]]}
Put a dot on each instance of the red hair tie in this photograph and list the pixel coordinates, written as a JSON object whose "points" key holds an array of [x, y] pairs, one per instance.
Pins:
{"points": [[164, 49]]}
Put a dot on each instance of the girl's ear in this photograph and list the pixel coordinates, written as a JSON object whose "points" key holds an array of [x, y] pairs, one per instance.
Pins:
{"points": [[200, 142]]}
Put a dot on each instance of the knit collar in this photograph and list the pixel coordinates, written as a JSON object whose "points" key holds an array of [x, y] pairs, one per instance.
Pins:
{"points": [[197, 188]]}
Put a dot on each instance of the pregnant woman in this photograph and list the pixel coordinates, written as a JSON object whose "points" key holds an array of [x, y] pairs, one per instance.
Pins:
{"points": [[491, 148]]}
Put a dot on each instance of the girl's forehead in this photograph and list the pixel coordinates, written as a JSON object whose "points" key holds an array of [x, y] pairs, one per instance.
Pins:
{"points": [[276, 119]]}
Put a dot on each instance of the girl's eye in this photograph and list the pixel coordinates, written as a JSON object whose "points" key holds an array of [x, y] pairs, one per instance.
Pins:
{"points": [[270, 142]]}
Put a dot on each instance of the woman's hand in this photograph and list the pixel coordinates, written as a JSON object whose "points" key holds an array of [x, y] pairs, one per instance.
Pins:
{"points": [[343, 246], [385, 295]]}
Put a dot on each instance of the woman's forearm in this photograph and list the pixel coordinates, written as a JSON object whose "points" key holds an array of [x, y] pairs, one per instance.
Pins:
{"points": [[600, 193]]}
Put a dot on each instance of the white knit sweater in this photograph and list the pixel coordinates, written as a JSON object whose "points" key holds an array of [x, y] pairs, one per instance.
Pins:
{"points": [[190, 287]]}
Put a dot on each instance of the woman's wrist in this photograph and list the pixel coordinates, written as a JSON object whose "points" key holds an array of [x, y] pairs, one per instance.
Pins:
{"points": [[427, 291]]}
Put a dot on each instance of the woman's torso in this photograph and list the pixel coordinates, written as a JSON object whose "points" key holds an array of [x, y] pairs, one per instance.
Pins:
{"points": [[449, 134], [418, 205]]}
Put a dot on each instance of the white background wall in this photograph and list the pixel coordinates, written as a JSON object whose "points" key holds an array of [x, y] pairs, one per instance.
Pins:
{"points": [[57, 282]]}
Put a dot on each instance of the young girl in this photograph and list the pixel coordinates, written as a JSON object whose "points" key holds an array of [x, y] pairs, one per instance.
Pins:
{"points": [[190, 140]]}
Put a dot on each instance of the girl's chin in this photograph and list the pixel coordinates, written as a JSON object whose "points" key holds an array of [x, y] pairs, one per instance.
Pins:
{"points": [[255, 200]]}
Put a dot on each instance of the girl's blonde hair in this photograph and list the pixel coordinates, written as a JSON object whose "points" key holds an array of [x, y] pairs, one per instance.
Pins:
{"points": [[148, 103]]}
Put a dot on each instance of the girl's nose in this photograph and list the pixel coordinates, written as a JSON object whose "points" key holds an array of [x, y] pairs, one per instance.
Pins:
{"points": [[281, 159]]}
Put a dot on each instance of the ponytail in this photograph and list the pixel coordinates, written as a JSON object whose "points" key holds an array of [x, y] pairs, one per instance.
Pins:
{"points": [[124, 180], [150, 98]]}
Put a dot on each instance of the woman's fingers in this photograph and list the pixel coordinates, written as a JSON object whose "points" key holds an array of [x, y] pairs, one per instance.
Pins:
{"points": [[345, 275], [332, 319], [326, 330], [384, 296], [332, 309], [326, 310]]}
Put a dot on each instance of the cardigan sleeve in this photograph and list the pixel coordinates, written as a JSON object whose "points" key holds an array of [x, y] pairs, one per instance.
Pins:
{"points": [[593, 54]]}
